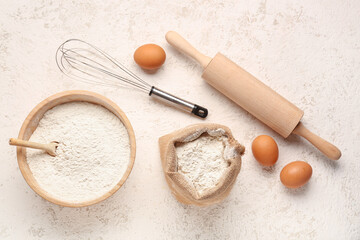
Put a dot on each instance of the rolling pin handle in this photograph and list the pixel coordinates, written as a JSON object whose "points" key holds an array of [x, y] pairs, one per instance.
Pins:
{"points": [[184, 46], [324, 146]]}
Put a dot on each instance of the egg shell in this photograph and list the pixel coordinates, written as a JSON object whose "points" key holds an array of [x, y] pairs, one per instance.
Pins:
{"points": [[265, 150], [150, 56], [296, 174]]}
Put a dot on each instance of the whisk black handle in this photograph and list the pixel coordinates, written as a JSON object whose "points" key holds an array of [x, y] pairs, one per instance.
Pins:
{"points": [[199, 111], [187, 106]]}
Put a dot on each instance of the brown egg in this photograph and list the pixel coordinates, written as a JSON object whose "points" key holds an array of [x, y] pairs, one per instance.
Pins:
{"points": [[265, 150], [296, 174], [150, 56]]}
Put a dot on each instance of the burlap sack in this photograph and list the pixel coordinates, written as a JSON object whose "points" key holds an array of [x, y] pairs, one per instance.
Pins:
{"points": [[183, 190]]}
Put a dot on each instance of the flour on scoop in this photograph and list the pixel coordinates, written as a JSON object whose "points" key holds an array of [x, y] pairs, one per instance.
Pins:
{"points": [[92, 157]]}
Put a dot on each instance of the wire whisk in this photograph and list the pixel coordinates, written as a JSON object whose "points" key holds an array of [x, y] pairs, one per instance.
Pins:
{"points": [[84, 62]]}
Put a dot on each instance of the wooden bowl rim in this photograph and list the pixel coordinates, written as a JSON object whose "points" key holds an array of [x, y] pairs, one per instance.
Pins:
{"points": [[21, 152]]}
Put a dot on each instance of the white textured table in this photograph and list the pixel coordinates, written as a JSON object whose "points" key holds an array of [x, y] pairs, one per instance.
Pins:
{"points": [[309, 51]]}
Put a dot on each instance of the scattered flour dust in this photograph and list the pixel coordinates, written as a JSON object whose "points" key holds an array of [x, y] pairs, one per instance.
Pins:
{"points": [[92, 156], [203, 160]]}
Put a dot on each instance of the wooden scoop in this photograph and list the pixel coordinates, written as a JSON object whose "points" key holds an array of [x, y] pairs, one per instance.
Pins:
{"points": [[253, 95], [50, 148]]}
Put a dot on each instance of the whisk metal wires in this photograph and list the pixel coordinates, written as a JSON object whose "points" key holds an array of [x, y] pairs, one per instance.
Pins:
{"points": [[84, 62]]}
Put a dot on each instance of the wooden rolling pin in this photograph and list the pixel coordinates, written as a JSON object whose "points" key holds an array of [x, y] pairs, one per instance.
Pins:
{"points": [[253, 95]]}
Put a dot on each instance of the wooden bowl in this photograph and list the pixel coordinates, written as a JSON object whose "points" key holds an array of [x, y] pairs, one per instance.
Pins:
{"points": [[32, 121]]}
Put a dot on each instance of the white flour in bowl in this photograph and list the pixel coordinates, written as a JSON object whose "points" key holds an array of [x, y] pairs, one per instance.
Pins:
{"points": [[203, 160], [92, 157]]}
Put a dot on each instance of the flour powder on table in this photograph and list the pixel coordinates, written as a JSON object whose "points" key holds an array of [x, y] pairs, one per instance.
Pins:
{"points": [[92, 157]]}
